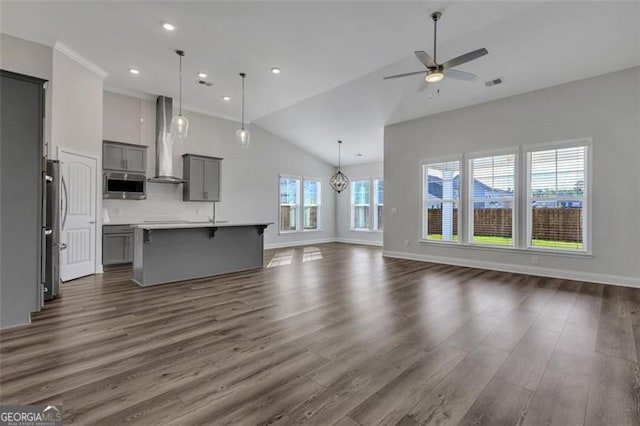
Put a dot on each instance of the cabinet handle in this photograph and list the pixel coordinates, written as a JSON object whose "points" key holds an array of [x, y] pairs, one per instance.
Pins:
{"points": [[122, 163], [126, 164], [206, 195]]}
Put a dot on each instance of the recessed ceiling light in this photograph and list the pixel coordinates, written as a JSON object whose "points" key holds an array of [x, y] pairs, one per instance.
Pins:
{"points": [[202, 74], [275, 70], [134, 71], [168, 26], [226, 98]]}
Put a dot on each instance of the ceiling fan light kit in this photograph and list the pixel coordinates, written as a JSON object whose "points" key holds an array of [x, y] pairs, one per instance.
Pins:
{"points": [[434, 76], [435, 71]]}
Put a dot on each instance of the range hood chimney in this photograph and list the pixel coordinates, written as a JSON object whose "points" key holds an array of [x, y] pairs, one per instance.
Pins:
{"points": [[166, 147]]}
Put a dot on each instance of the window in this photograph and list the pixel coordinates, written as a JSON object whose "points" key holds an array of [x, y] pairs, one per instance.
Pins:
{"points": [[557, 197], [311, 204], [378, 184], [441, 186], [289, 202], [491, 193], [360, 204]]}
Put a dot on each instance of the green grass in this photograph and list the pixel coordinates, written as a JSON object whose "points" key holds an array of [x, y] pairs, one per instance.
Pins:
{"points": [[507, 241]]}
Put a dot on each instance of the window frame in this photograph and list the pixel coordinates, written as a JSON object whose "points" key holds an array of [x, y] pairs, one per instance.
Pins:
{"points": [[319, 215], [469, 208], [586, 199], [374, 211], [352, 205], [298, 197], [424, 225]]}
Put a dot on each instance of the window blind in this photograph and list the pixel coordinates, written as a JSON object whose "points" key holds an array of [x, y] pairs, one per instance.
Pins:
{"points": [[557, 198], [492, 184], [441, 198]]}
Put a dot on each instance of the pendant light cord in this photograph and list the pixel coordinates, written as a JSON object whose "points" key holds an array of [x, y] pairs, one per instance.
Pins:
{"points": [[339, 151], [243, 75], [180, 54]]}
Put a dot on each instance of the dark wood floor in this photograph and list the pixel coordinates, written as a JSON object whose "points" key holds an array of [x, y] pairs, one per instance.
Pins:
{"points": [[333, 334]]}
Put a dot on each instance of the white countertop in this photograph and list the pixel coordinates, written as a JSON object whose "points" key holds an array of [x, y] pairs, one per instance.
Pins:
{"points": [[189, 225]]}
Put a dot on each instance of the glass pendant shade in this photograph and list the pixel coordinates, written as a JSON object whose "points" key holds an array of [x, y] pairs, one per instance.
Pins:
{"points": [[179, 127], [339, 182], [242, 137], [179, 123]]}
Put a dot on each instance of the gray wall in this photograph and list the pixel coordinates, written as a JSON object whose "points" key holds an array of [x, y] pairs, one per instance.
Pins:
{"points": [[249, 177], [606, 108], [343, 206]]}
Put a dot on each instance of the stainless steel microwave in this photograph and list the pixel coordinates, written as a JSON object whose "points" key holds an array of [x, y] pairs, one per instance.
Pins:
{"points": [[124, 186]]}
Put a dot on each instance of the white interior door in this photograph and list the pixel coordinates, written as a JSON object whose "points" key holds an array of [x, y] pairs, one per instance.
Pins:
{"points": [[78, 215]]}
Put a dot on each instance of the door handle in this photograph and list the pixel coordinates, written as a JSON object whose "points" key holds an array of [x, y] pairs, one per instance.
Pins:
{"points": [[92, 222], [63, 246], [66, 204]]}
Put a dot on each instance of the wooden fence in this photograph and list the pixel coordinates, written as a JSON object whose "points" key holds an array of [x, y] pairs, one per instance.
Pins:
{"points": [[551, 224]]}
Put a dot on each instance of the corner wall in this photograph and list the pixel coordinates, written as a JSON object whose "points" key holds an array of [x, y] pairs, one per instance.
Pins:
{"points": [[605, 108]]}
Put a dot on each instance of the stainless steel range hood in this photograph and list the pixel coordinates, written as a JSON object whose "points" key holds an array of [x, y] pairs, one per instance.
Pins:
{"points": [[167, 150]]}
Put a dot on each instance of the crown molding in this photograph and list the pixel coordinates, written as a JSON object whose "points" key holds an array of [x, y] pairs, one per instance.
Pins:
{"points": [[72, 54], [131, 93]]}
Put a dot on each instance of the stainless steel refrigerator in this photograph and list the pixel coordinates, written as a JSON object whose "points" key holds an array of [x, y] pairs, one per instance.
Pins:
{"points": [[51, 231]]}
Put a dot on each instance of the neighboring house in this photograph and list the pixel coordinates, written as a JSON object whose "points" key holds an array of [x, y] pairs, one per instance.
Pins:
{"points": [[480, 190]]}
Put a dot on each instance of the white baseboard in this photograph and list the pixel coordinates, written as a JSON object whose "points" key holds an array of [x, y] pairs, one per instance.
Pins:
{"points": [[362, 242], [298, 243], [522, 269]]}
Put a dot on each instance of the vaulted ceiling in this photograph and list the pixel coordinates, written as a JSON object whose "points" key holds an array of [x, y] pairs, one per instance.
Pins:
{"points": [[333, 56]]}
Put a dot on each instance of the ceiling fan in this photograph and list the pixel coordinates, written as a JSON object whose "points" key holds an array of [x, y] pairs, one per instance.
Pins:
{"points": [[435, 71]]}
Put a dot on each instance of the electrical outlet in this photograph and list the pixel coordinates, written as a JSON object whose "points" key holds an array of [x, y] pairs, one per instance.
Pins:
{"points": [[394, 210], [406, 243], [535, 260]]}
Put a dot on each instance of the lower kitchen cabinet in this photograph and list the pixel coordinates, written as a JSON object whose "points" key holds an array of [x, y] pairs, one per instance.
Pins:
{"points": [[117, 245]]}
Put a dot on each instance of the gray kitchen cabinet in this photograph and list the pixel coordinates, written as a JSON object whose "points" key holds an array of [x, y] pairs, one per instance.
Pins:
{"points": [[117, 245], [124, 157], [202, 178]]}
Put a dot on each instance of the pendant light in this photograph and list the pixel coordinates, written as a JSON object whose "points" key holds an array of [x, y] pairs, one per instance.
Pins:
{"points": [[339, 181], [180, 123], [243, 135]]}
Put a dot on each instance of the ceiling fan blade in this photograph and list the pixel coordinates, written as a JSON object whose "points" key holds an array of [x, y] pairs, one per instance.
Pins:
{"points": [[426, 60], [460, 75], [467, 57], [404, 75]]}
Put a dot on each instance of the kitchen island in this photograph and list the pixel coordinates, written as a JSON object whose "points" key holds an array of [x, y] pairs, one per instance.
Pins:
{"points": [[168, 252]]}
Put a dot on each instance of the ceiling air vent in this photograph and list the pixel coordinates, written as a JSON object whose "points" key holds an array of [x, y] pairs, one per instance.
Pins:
{"points": [[494, 82], [205, 83]]}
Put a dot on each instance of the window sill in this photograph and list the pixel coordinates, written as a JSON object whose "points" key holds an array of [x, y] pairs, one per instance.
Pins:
{"points": [[530, 251], [312, 230], [360, 230]]}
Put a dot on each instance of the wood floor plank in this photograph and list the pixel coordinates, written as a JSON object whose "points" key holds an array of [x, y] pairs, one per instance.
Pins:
{"points": [[336, 400], [450, 400], [526, 364], [391, 403], [501, 403], [560, 399], [345, 336], [614, 394]]}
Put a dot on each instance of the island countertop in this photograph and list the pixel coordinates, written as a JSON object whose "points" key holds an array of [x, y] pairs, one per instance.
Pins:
{"points": [[188, 225]]}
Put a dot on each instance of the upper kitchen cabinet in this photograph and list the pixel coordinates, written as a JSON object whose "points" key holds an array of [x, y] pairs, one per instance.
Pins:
{"points": [[202, 176], [124, 157]]}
